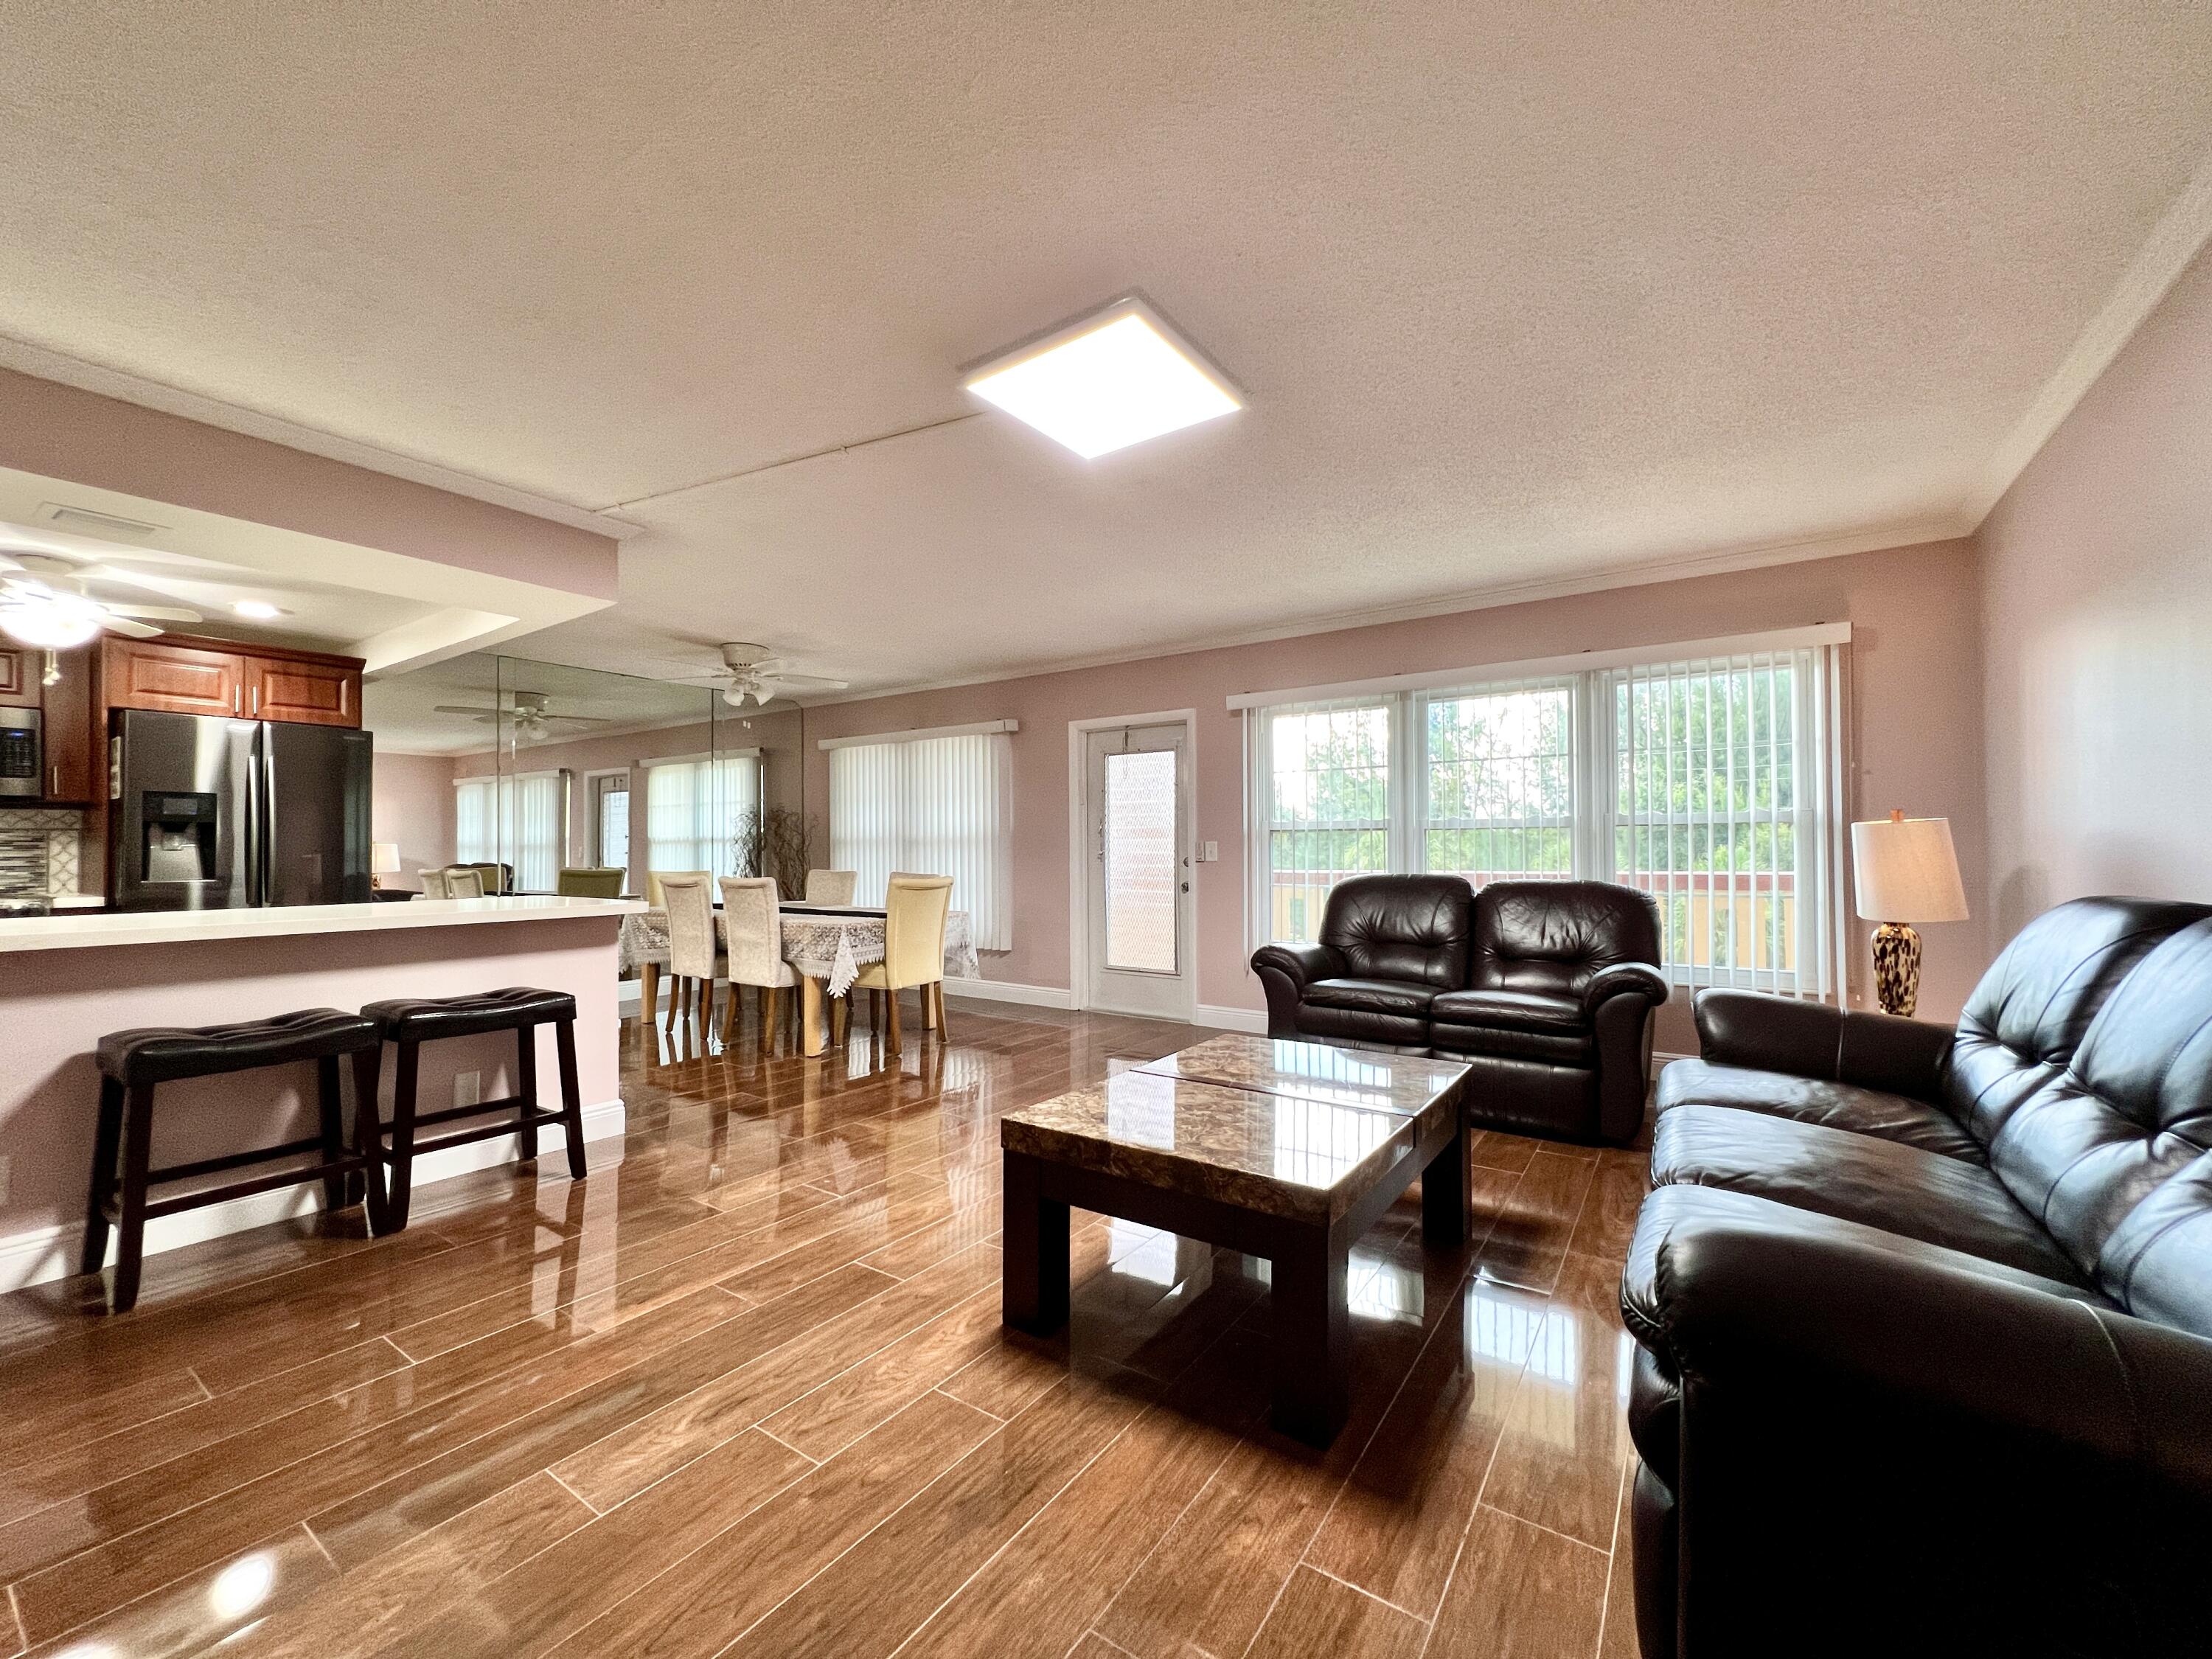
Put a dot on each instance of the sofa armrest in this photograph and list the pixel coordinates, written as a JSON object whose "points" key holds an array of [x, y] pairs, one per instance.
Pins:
{"points": [[1752, 1029], [1625, 979], [1286, 970], [1886, 1439], [1300, 964]]}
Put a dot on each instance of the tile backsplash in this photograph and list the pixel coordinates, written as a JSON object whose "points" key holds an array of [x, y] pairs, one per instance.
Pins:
{"points": [[40, 851]]}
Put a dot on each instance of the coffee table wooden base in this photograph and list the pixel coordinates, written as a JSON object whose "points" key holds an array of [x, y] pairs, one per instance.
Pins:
{"points": [[1309, 1258]]}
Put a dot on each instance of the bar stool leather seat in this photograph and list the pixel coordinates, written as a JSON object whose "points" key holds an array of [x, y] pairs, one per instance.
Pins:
{"points": [[426, 1019], [169, 1054]]}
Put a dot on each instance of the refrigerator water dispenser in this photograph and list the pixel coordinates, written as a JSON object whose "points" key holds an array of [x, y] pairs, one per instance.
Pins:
{"points": [[179, 838]]}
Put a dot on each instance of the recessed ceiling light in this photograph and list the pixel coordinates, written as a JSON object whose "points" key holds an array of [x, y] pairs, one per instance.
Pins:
{"points": [[1112, 379], [259, 610]]}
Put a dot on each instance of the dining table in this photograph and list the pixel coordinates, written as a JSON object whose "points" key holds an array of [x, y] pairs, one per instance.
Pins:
{"points": [[827, 945]]}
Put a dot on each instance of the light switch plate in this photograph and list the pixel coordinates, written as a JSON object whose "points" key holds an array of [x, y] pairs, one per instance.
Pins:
{"points": [[1209, 852]]}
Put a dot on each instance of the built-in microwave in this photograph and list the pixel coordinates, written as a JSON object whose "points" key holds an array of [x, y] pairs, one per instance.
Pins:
{"points": [[21, 761]]}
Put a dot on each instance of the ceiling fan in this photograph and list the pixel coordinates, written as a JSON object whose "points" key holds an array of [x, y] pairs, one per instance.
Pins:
{"points": [[528, 714], [755, 672], [45, 602]]}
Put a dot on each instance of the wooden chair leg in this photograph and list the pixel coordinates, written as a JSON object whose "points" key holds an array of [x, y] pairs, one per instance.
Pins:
{"points": [[107, 1146], [403, 1133], [331, 1109], [730, 1016], [675, 1001], [572, 1094], [369, 1136], [876, 1013], [771, 1017], [526, 1090], [648, 993], [131, 1228], [891, 1020], [936, 1004]]}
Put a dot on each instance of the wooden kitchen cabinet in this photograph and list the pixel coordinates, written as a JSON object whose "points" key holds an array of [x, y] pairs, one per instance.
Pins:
{"points": [[180, 675], [74, 765], [309, 693], [172, 678], [20, 669]]}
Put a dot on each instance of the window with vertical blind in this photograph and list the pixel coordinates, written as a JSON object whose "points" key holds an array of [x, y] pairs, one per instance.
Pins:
{"points": [[520, 819], [1711, 779], [938, 805], [694, 804]]}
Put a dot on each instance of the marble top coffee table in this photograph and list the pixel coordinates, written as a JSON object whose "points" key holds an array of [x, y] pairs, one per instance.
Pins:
{"points": [[1289, 1150]]}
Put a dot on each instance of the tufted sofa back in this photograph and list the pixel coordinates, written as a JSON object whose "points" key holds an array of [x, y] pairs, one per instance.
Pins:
{"points": [[1550, 937], [1405, 927], [2083, 1065]]}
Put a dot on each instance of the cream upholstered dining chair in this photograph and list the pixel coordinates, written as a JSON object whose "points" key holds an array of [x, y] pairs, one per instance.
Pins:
{"points": [[590, 883], [464, 881], [831, 886], [497, 877], [753, 927], [654, 878], [434, 885], [913, 952], [694, 952]]}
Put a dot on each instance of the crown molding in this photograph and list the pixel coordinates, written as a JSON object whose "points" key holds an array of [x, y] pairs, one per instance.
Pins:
{"points": [[1719, 562], [2181, 231], [44, 364]]}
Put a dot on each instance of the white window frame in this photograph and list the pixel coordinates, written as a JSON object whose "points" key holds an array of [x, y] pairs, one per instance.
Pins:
{"points": [[1820, 813]]}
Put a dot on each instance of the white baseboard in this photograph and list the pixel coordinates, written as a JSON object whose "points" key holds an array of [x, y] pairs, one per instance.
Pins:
{"points": [[47, 1253], [1005, 990], [1223, 1017]]}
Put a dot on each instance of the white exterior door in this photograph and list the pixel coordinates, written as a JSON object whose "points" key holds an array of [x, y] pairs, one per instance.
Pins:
{"points": [[1137, 802]]}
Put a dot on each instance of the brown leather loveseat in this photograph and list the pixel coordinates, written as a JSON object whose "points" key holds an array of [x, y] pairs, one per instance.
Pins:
{"points": [[1924, 1317], [1546, 988]]}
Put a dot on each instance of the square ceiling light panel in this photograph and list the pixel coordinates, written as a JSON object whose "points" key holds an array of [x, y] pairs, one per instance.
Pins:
{"points": [[1114, 378]]}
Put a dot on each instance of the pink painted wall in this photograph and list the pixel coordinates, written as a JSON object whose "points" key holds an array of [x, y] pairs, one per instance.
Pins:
{"points": [[61, 432], [1915, 705], [2097, 634], [414, 807], [56, 1005]]}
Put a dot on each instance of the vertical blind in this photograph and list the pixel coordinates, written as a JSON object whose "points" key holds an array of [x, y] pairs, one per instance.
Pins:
{"points": [[520, 819], [939, 806], [693, 808], [1714, 783]]}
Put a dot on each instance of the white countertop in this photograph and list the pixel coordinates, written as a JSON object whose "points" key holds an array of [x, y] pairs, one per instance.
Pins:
{"points": [[82, 930]]}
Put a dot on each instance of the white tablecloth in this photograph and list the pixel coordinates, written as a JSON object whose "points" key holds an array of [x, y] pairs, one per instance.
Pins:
{"points": [[832, 948]]}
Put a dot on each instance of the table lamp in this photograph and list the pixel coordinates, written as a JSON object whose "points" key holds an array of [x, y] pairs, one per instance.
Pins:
{"points": [[382, 860], [1906, 871]]}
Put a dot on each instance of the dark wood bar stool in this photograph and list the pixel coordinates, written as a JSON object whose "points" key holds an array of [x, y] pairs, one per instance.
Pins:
{"points": [[410, 1023], [131, 1063]]}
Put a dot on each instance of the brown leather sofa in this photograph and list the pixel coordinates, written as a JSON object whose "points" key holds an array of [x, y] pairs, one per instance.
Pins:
{"points": [[1924, 1317], [1546, 988]]}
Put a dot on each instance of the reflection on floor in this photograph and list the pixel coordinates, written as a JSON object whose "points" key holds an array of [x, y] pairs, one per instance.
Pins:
{"points": [[744, 1391]]}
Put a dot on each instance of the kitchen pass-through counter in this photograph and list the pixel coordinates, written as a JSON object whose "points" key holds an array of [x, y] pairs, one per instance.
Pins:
{"points": [[68, 980]]}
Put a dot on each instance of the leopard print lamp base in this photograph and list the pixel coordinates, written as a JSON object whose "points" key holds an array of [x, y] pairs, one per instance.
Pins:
{"points": [[1897, 967]]}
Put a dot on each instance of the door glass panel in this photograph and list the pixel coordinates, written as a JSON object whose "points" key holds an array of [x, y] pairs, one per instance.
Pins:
{"points": [[1140, 860], [614, 826]]}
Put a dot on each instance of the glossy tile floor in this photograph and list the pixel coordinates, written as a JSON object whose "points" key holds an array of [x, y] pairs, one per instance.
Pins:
{"points": [[744, 1391]]}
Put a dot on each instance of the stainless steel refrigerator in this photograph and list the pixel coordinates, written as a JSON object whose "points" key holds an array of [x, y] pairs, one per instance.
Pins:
{"points": [[212, 814]]}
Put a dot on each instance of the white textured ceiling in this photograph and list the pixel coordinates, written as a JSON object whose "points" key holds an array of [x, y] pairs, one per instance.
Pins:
{"points": [[1521, 294]]}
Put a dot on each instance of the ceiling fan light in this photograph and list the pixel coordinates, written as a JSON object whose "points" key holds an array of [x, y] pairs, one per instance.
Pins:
{"points": [[57, 623]]}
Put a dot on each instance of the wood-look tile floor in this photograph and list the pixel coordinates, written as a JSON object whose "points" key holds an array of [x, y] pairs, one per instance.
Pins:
{"points": [[744, 1391]]}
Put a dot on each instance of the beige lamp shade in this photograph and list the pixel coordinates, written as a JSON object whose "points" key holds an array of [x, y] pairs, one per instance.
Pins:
{"points": [[1907, 870], [384, 858]]}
